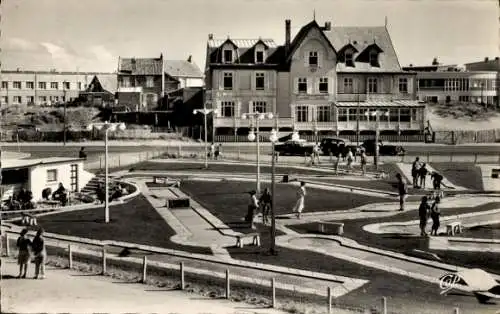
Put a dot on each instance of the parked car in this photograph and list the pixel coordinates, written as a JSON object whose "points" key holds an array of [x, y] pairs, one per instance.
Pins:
{"points": [[336, 145], [384, 148], [294, 148]]}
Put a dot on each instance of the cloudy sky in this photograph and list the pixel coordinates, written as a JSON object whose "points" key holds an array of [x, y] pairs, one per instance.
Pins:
{"points": [[91, 34]]}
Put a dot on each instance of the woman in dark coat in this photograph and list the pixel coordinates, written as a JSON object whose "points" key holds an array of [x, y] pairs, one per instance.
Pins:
{"points": [[23, 258], [38, 246], [435, 213], [423, 213]]}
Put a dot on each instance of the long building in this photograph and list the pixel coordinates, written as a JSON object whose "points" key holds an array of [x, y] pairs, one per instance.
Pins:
{"points": [[326, 80], [49, 87], [452, 83]]}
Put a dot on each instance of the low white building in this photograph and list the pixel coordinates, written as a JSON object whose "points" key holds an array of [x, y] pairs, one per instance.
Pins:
{"points": [[36, 175]]}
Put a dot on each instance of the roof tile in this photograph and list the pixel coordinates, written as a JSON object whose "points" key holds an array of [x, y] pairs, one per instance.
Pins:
{"points": [[182, 68]]}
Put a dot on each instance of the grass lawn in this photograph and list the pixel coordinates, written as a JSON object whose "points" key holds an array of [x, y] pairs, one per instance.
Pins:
{"points": [[136, 222], [405, 295], [228, 200], [463, 174], [482, 232], [406, 244]]}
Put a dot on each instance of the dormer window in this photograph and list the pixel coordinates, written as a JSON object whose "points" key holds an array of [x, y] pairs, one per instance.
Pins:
{"points": [[259, 56], [374, 58], [228, 56], [313, 58], [349, 59]]}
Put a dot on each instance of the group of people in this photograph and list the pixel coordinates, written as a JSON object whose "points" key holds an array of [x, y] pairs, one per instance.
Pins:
{"points": [[60, 194], [264, 204], [427, 210], [23, 200], [215, 151], [27, 248], [350, 157], [117, 191], [419, 173]]}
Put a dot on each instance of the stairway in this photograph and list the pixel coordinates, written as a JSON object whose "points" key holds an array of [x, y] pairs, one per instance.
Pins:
{"points": [[93, 184]]}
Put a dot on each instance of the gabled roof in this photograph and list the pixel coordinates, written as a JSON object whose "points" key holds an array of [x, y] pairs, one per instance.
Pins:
{"points": [[303, 33], [349, 45], [361, 38], [242, 43], [260, 41], [182, 68], [141, 66], [95, 86]]}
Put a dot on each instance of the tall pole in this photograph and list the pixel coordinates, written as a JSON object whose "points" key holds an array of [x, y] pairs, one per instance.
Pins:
{"points": [[206, 140], [377, 135], [64, 101], [272, 248], [258, 153], [106, 188], [357, 121]]}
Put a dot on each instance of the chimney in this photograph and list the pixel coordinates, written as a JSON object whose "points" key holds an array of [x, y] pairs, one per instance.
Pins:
{"points": [[486, 59], [328, 26], [189, 59], [288, 24], [210, 36]]}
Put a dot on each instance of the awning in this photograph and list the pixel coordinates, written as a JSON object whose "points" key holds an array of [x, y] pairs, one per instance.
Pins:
{"points": [[381, 104]]}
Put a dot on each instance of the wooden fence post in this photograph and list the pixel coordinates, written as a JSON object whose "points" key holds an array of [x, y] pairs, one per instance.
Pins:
{"points": [[183, 283], [329, 301], [273, 292], [144, 268], [228, 285], [70, 257], [103, 260], [384, 305], [7, 245]]}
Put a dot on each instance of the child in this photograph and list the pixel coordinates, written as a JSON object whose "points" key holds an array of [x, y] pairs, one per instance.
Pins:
{"points": [[40, 254], [23, 258]]}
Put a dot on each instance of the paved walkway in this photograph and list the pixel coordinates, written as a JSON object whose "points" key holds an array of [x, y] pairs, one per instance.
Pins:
{"points": [[66, 291]]}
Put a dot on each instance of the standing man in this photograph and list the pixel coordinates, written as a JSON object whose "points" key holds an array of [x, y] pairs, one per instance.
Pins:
{"points": [[363, 162], [402, 191], [415, 168]]}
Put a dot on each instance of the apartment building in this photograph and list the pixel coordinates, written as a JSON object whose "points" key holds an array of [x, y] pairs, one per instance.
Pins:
{"points": [[453, 83], [143, 83], [327, 79], [48, 87]]}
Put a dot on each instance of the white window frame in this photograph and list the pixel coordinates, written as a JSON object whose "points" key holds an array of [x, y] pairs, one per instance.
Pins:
{"points": [[227, 104], [349, 58], [312, 55], [42, 85], [42, 98], [260, 76], [224, 56], [302, 111], [5, 84], [302, 80], [52, 84], [17, 99], [372, 82], [263, 56], [323, 113], [125, 82], [403, 82], [150, 81], [30, 85], [348, 85], [227, 75], [343, 115], [30, 99], [52, 175], [259, 106], [66, 85], [5, 99], [16, 85], [322, 81], [373, 58]]}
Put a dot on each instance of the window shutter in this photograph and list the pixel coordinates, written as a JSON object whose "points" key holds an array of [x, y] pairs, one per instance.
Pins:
{"points": [[221, 80], [267, 80], [310, 85], [237, 110], [320, 59], [253, 78], [306, 58], [219, 108], [296, 85], [410, 85], [250, 106], [331, 86]]}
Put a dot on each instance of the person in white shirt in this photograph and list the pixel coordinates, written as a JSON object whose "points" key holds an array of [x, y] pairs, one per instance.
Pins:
{"points": [[350, 159], [252, 208], [301, 195]]}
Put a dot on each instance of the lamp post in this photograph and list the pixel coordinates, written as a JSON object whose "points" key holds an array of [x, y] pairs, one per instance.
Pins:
{"points": [[377, 115], [272, 248], [64, 103], [106, 126], [205, 112], [254, 136]]}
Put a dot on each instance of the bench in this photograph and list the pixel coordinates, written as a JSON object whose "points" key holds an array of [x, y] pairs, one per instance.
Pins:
{"points": [[454, 228], [254, 235], [28, 220], [333, 228], [495, 173]]}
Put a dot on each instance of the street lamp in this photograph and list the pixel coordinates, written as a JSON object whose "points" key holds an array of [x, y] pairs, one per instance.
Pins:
{"points": [[64, 103], [377, 115], [205, 112], [106, 126], [272, 248], [254, 136]]}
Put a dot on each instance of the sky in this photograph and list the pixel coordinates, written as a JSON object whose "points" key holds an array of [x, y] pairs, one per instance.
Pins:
{"points": [[89, 35]]}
